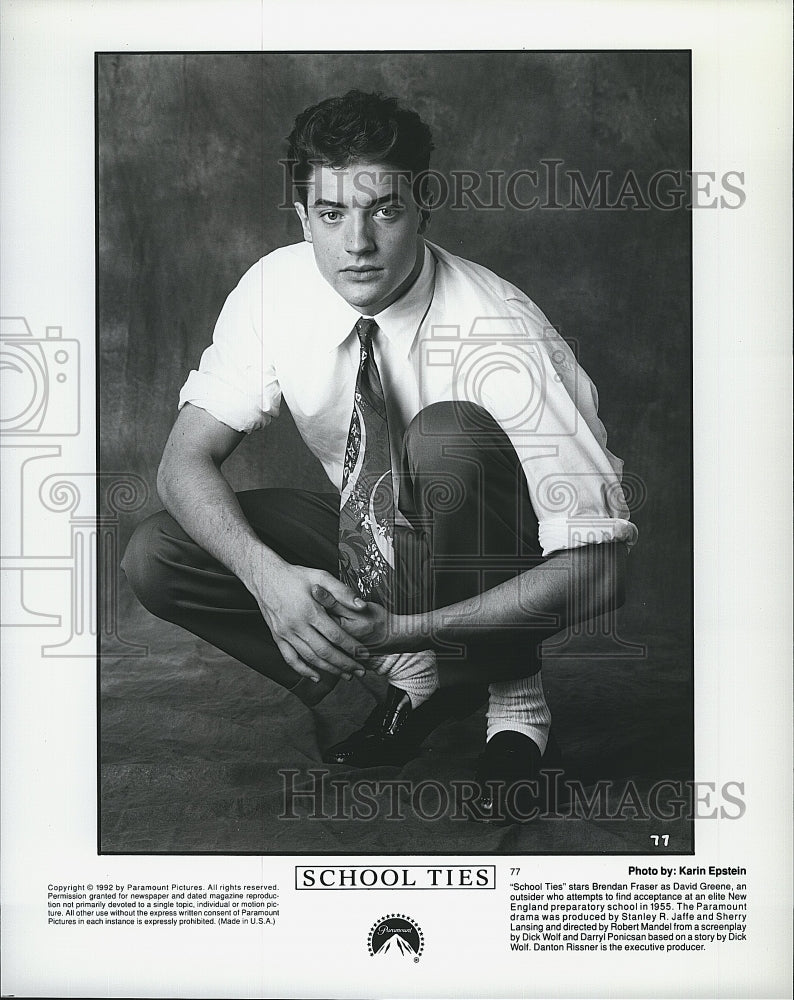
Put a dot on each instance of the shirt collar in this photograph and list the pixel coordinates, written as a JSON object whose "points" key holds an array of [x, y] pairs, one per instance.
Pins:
{"points": [[399, 322]]}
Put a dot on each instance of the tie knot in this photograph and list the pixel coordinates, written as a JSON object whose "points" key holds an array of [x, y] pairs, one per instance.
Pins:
{"points": [[365, 330]]}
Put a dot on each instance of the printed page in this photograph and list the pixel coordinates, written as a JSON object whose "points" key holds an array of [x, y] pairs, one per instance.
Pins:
{"points": [[178, 823]]}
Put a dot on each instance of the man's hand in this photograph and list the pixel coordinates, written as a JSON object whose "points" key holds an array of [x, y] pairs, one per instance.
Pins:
{"points": [[307, 636], [568, 587], [199, 498], [371, 624], [384, 634]]}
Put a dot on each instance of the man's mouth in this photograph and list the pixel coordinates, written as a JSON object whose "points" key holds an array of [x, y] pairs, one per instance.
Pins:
{"points": [[361, 273]]}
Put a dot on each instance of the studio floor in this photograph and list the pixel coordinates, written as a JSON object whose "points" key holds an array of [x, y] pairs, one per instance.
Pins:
{"points": [[198, 753]]}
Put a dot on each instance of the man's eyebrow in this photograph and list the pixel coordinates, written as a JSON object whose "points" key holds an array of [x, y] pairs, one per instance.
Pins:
{"points": [[384, 198]]}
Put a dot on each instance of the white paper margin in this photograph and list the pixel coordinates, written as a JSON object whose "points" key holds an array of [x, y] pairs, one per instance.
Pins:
{"points": [[742, 279]]}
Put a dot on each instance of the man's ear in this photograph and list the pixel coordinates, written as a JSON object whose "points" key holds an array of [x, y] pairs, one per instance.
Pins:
{"points": [[303, 216], [424, 221]]}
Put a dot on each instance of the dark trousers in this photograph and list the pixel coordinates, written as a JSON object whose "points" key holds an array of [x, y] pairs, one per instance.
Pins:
{"points": [[472, 527]]}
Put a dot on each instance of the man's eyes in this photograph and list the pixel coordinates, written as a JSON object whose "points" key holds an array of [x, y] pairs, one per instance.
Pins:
{"points": [[387, 213]]}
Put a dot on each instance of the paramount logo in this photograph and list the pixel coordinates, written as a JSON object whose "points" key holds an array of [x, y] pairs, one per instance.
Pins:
{"points": [[397, 935], [396, 943]]}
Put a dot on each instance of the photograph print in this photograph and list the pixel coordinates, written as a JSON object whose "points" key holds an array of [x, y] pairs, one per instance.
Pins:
{"points": [[395, 439]]}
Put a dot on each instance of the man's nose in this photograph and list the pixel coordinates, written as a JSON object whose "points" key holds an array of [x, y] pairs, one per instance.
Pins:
{"points": [[359, 236]]}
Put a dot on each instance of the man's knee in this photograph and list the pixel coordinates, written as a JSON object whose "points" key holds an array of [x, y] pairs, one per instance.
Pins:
{"points": [[447, 422], [450, 417], [145, 564]]}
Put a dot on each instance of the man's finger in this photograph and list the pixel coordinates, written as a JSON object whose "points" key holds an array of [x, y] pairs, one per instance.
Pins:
{"points": [[353, 625], [334, 632], [340, 613], [324, 597], [292, 660], [308, 655], [331, 655], [335, 591]]}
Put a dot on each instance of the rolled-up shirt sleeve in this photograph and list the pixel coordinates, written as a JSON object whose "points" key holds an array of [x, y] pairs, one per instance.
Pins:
{"points": [[549, 407], [236, 379]]}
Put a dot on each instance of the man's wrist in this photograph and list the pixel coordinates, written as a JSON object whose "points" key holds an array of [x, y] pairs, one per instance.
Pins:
{"points": [[259, 567], [408, 633]]}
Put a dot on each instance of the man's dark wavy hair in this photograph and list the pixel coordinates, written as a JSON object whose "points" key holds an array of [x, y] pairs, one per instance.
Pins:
{"points": [[358, 127]]}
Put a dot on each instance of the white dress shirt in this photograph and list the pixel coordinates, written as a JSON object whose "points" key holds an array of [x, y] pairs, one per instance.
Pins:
{"points": [[459, 333]]}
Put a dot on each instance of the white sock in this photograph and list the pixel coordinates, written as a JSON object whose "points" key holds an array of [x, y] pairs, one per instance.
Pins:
{"points": [[414, 673], [520, 706]]}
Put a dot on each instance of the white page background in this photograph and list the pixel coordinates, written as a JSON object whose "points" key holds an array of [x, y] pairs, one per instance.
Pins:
{"points": [[742, 309]]}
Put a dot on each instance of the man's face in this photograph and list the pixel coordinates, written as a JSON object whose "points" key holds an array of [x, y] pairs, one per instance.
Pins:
{"points": [[366, 229]]}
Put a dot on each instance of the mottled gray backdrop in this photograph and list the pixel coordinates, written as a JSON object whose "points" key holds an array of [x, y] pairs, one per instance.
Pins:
{"points": [[189, 184]]}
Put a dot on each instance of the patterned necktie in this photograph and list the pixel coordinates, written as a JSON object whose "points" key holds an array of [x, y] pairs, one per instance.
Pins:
{"points": [[366, 509]]}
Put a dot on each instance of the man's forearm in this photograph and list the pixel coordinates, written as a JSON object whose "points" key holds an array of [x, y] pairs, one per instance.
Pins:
{"points": [[196, 494], [567, 588]]}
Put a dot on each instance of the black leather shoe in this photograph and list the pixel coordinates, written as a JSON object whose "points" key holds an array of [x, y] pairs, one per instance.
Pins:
{"points": [[382, 740], [516, 782], [393, 732]]}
